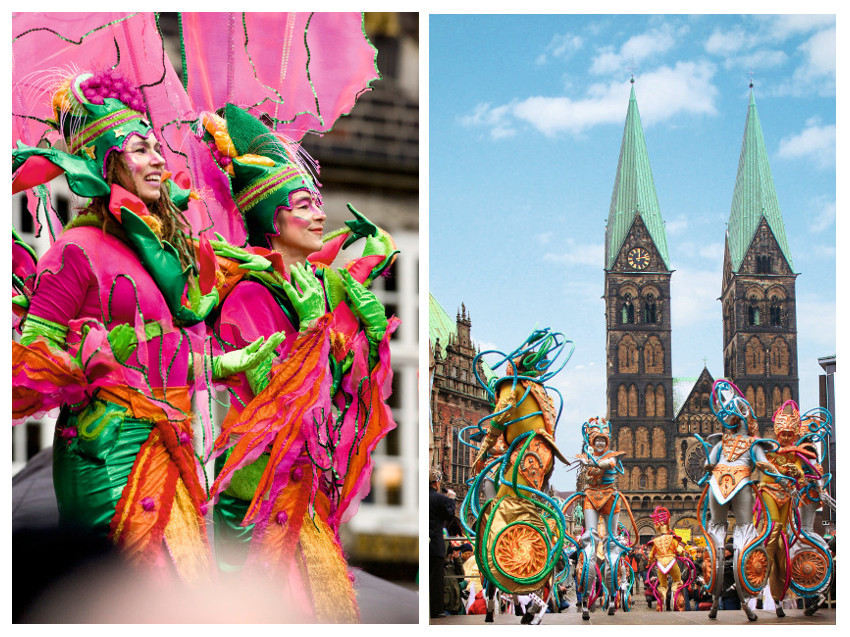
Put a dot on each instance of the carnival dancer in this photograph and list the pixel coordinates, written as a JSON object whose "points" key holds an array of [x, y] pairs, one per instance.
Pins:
{"points": [[601, 503], [805, 564], [295, 448], [665, 548], [519, 534], [729, 485], [113, 332]]}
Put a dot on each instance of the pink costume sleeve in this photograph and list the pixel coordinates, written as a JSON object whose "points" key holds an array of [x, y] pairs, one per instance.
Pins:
{"points": [[66, 287]]}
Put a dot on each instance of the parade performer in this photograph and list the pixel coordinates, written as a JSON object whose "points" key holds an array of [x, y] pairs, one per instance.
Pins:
{"points": [[729, 484], [520, 532], [295, 448], [665, 548], [601, 502], [113, 333], [805, 564]]}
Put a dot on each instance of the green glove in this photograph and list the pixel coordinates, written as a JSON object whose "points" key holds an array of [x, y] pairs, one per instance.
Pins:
{"points": [[248, 357], [246, 260], [258, 377], [360, 227], [309, 298], [367, 307], [122, 339]]}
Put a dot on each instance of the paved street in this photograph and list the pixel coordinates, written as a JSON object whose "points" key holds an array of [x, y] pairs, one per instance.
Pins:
{"points": [[642, 615]]}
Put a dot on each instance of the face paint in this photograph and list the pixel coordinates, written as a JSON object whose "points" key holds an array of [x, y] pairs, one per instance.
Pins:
{"points": [[300, 228], [145, 167]]}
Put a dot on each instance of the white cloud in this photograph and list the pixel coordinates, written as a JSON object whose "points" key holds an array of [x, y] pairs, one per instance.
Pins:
{"points": [[582, 254], [561, 46], [545, 237], [677, 225], [760, 59], [725, 42], [668, 92], [781, 26], [814, 142], [635, 50], [819, 51]]}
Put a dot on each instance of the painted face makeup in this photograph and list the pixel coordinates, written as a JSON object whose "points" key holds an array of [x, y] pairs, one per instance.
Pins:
{"points": [[145, 167], [300, 228]]}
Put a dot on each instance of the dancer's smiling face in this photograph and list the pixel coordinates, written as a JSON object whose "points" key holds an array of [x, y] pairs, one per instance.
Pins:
{"points": [[300, 227], [144, 167]]}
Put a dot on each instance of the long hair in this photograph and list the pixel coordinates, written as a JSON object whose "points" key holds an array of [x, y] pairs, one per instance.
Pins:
{"points": [[169, 222]]}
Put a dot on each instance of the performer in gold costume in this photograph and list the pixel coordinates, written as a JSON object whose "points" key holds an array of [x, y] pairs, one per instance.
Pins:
{"points": [[665, 547]]}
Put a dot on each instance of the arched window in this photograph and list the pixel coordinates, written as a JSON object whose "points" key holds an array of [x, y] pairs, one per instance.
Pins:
{"points": [[653, 356], [753, 314], [775, 312], [650, 314], [627, 355], [642, 482], [650, 401], [779, 358], [754, 355], [622, 401], [633, 401], [660, 401], [627, 312], [763, 264]]}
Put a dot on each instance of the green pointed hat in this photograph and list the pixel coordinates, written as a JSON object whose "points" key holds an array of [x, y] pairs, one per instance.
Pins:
{"points": [[263, 173], [92, 127]]}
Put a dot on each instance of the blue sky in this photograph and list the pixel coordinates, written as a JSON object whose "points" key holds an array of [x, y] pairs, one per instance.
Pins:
{"points": [[526, 119]]}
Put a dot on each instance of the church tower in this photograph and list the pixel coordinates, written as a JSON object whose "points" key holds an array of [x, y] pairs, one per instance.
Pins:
{"points": [[637, 312], [758, 289]]}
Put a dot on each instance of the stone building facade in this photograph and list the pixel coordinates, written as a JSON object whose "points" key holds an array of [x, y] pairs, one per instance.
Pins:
{"points": [[457, 399]]}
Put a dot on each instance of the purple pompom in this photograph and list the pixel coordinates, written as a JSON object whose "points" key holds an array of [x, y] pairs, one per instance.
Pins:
{"points": [[110, 84], [296, 474], [281, 518], [148, 504], [185, 438]]}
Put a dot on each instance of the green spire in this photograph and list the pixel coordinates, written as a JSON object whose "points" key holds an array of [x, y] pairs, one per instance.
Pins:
{"points": [[754, 196], [634, 192], [440, 324]]}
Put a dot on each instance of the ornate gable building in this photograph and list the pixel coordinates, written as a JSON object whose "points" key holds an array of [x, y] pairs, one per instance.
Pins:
{"points": [[457, 400], [758, 290]]}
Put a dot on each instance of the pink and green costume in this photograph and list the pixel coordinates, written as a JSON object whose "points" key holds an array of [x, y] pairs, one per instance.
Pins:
{"points": [[295, 448], [109, 337]]}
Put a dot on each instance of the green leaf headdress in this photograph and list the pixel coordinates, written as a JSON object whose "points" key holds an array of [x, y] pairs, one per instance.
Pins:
{"points": [[264, 169]]}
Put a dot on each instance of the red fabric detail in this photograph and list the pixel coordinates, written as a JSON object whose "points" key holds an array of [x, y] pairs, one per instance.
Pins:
{"points": [[360, 269], [329, 251], [121, 197], [35, 171], [208, 265], [182, 179]]}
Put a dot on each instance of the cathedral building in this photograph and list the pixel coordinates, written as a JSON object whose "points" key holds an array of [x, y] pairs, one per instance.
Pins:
{"points": [[653, 415]]}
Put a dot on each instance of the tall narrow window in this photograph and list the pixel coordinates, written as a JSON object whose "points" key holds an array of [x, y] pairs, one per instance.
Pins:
{"points": [[775, 312], [627, 314], [753, 315], [763, 264], [649, 309]]}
